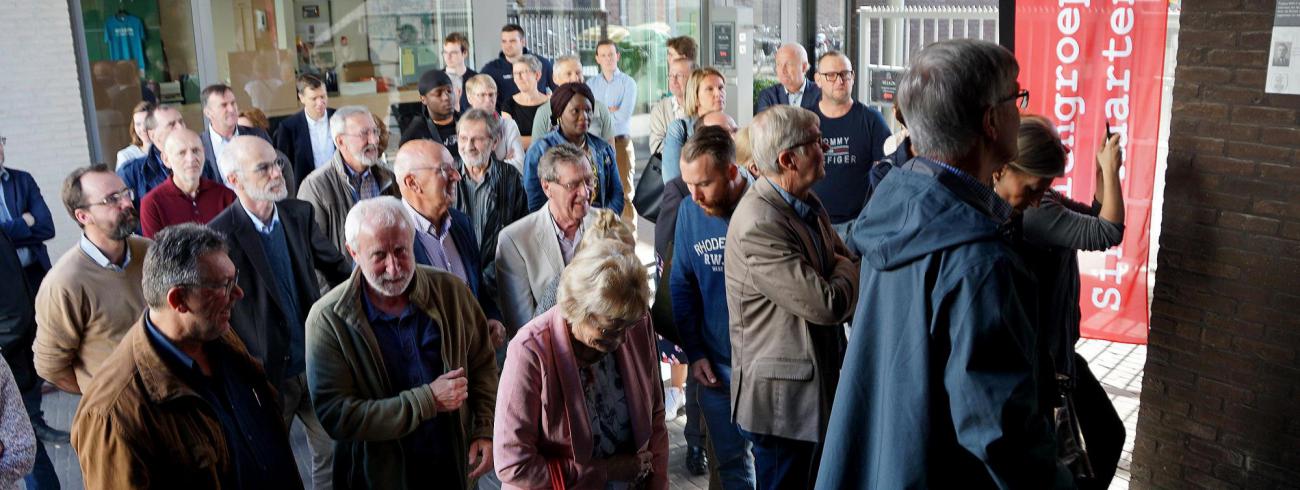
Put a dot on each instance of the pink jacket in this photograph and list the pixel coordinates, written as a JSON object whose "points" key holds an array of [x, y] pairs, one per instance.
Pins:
{"points": [[541, 413]]}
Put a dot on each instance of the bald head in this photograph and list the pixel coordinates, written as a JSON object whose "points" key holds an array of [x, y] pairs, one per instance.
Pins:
{"points": [[427, 177], [720, 119], [182, 152], [249, 163], [791, 66]]}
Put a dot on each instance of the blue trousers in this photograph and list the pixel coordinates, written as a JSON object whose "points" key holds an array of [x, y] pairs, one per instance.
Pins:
{"points": [[782, 463], [732, 458]]}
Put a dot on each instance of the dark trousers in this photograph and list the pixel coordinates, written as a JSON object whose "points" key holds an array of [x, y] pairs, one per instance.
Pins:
{"points": [[17, 351], [781, 463], [1103, 430], [693, 431]]}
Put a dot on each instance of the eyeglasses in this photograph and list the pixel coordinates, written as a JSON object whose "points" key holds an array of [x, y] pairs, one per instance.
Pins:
{"points": [[264, 168], [588, 184], [474, 140], [810, 141], [366, 134], [444, 170], [609, 327], [127, 195], [225, 287], [835, 76], [1021, 98]]}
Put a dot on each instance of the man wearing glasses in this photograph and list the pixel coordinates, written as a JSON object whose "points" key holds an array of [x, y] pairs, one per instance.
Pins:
{"points": [[532, 251], [856, 136], [91, 296], [942, 383], [444, 237], [181, 403], [790, 285], [277, 245], [355, 172]]}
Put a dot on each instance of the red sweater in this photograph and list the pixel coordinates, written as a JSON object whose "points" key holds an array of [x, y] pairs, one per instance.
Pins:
{"points": [[167, 205]]}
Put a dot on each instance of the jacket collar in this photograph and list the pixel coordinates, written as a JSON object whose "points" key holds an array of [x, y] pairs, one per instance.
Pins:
{"points": [[160, 381], [383, 178]]}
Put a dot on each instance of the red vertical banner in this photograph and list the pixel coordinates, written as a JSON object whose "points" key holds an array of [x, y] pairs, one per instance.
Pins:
{"points": [[1086, 63]]}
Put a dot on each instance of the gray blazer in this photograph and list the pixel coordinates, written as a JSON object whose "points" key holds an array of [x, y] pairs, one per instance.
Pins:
{"points": [[528, 259]]}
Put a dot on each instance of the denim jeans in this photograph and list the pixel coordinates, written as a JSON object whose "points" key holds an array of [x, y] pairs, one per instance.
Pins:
{"points": [[781, 463], [732, 458]]}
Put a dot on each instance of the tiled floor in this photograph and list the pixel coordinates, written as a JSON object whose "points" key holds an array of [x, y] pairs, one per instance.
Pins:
{"points": [[1118, 366]]}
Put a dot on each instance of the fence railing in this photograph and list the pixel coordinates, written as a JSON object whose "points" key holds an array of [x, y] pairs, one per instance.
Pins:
{"points": [[559, 31]]}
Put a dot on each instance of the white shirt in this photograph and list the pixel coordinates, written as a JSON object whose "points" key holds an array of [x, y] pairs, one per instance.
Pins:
{"points": [[218, 144], [91, 250], [322, 145]]}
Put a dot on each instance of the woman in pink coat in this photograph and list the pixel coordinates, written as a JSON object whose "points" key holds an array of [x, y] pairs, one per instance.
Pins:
{"points": [[580, 400]]}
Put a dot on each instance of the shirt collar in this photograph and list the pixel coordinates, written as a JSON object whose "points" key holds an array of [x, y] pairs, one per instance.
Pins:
{"points": [[425, 226], [802, 87], [374, 314], [324, 118], [4, 174], [801, 207], [999, 208], [166, 348], [88, 247], [555, 227], [261, 227]]}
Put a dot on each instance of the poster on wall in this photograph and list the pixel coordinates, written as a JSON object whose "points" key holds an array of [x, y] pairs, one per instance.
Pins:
{"points": [[1087, 63], [1283, 66]]}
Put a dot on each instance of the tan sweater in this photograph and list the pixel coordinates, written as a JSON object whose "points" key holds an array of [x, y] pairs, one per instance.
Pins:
{"points": [[83, 310]]}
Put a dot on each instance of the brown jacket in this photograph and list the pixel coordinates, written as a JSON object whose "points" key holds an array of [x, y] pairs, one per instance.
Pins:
{"points": [[350, 387], [786, 301], [140, 426]]}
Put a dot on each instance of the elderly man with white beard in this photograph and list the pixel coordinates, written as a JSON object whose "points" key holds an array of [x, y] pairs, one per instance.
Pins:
{"points": [[187, 197], [490, 191], [353, 174], [400, 365], [275, 245]]}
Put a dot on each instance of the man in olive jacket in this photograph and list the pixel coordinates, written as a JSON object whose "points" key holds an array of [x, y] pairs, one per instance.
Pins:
{"points": [[399, 364]]}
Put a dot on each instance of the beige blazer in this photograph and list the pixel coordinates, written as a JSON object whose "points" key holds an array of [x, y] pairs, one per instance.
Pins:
{"points": [[787, 302], [528, 260]]}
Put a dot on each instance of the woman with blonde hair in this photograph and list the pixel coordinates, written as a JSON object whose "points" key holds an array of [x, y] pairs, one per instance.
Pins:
{"points": [[1054, 228], [706, 92], [139, 146], [579, 404]]}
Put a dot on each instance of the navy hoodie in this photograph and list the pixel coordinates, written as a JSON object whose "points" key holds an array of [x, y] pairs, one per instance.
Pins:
{"points": [[941, 380]]}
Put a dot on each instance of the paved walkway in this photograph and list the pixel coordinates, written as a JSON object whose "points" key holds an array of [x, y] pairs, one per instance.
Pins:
{"points": [[1118, 366]]}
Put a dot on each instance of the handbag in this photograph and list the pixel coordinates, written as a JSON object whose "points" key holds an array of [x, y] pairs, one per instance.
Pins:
{"points": [[649, 189]]}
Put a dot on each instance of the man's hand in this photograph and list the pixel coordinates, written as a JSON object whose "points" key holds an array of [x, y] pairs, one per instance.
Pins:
{"points": [[450, 390], [480, 457], [67, 383], [703, 373], [31, 220], [496, 333]]}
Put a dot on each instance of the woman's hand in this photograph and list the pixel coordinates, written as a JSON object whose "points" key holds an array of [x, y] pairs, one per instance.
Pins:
{"points": [[628, 467], [1109, 158]]}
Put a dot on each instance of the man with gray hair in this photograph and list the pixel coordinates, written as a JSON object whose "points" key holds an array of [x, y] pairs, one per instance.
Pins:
{"points": [[795, 88], [400, 365], [180, 401], [532, 251], [147, 172], [277, 245], [186, 197], [490, 191], [943, 382], [791, 284], [568, 69], [355, 172]]}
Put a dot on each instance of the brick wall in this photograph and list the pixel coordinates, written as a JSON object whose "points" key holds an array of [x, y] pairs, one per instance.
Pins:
{"points": [[40, 102], [1220, 399]]}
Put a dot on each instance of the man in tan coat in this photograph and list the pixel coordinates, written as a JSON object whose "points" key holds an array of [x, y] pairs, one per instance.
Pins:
{"points": [[791, 283]]}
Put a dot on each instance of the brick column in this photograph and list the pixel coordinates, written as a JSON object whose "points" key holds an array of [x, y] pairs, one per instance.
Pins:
{"points": [[1220, 400]]}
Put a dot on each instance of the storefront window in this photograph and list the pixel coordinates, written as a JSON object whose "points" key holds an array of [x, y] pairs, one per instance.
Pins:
{"points": [[138, 50]]}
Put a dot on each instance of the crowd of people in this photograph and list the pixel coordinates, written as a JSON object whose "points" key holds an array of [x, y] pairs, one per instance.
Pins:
{"points": [[844, 306]]}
